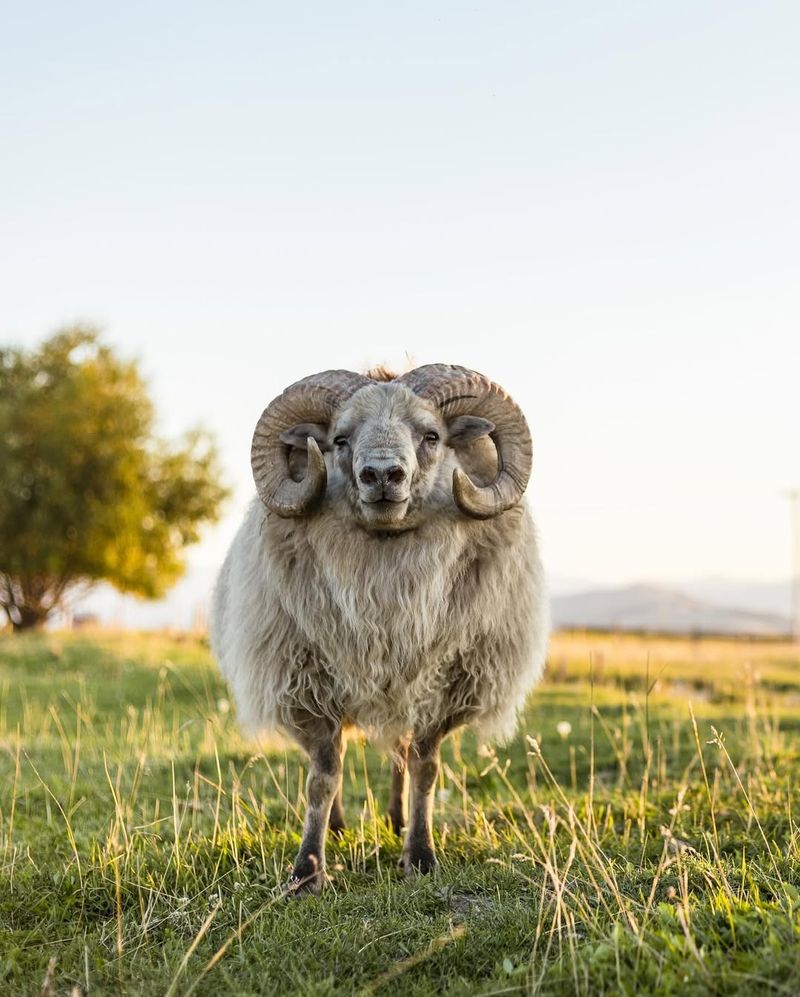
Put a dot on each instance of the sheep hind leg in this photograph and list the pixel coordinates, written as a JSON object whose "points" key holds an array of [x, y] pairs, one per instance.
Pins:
{"points": [[423, 766], [397, 799], [323, 743], [337, 822]]}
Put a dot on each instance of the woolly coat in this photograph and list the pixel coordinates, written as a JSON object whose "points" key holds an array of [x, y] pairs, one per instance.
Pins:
{"points": [[447, 622]]}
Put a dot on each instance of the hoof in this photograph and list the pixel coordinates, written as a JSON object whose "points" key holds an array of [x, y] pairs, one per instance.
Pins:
{"points": [[307, 878], [421, 862]]}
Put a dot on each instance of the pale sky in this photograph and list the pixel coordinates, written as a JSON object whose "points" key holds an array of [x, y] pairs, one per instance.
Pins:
{"points": [[594, 203]]}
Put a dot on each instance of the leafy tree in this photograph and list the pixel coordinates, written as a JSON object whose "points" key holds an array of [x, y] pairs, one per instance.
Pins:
{"points": [[87, 492]]}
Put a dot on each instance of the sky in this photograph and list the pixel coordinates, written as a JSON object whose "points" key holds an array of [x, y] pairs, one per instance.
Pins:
{"points": [[594, 203]]}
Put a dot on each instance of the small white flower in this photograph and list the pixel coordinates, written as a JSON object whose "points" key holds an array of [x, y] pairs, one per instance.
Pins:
{"points": [[223, 706], [674, 811], [443, 794], [564, 728]]}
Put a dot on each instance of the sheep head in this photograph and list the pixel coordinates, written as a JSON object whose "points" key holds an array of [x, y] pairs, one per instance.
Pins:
{"points": [[390, 445]]}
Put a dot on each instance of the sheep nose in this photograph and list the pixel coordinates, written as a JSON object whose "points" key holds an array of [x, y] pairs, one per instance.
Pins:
{"points": [[384, 476], [394, 475]]}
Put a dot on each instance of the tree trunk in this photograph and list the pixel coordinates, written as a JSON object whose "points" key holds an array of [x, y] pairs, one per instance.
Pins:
{"points": [[29, 602], [28, 619]]}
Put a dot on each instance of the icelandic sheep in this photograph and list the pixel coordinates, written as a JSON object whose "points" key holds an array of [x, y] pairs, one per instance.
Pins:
{"points": [[387, 579]]}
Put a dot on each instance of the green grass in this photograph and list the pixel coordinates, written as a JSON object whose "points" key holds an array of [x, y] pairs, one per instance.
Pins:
{"points": [[632, 850]]}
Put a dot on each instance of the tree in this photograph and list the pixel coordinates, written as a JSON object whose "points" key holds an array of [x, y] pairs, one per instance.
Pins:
{"points": [[87, 492]]}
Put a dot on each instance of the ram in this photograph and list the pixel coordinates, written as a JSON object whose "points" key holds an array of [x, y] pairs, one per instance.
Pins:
{"points": [[386, 579]]}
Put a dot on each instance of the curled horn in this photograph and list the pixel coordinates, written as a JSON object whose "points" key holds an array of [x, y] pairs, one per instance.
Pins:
{"points": [[457, 391], [314, 399]]}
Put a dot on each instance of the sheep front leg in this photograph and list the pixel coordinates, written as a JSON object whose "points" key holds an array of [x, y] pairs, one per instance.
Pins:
{"points": [[423, 768], [324, 746]]}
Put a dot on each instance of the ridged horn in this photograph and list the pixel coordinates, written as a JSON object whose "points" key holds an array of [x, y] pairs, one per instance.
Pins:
{"points": [[313, 399], [458, 391]]}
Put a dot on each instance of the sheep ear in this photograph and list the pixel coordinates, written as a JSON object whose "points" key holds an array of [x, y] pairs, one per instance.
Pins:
{"points": [[299, 434], [466, 428]]}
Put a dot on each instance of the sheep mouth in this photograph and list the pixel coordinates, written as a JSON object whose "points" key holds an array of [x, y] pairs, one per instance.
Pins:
{"points": [[378, 503], [383, 514]]}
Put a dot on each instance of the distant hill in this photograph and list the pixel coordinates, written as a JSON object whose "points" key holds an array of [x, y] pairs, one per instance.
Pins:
{"points": [[657, 609], [761, 597]]}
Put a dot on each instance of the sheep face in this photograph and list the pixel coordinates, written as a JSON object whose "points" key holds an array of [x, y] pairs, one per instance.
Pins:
{"points": [[389, 455], [389, 444]]}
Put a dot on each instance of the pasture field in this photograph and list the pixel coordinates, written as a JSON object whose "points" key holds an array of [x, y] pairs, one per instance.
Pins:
{"points": [[639, 836]]}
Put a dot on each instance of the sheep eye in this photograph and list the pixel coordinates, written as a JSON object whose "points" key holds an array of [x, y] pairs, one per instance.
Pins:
{"points": [[340, 441], [431, 437]]}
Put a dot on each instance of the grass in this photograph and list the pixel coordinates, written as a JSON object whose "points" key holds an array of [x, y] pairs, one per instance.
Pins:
{"points": [[627, 842]]}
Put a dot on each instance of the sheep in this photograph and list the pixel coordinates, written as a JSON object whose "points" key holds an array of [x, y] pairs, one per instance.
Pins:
{"points": [[386, 579]]}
